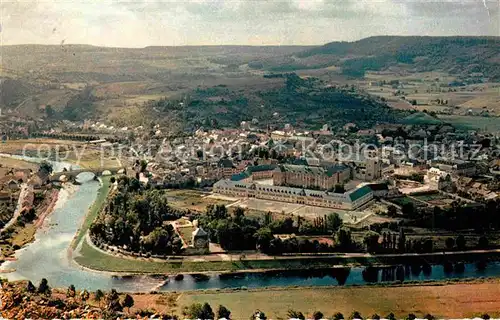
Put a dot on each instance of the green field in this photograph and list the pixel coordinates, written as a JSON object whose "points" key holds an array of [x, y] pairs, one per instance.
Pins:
{"points": [[97, 260], [186, 233], [94, 210], [192, 200], [490, 124], [420, 119], [430, 197], [404, 200], [439, 300]]}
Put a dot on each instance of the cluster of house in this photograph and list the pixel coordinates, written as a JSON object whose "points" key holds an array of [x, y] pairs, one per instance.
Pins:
{"points": [[295, 159], [12, 180]]}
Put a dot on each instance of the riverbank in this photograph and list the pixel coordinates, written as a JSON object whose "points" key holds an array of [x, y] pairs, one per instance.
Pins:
{"points": [[95, 208], [21, 234], [96, 259]]}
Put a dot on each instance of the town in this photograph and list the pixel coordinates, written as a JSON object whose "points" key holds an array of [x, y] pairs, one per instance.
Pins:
{"points": [[292, 193], [250, 160]]}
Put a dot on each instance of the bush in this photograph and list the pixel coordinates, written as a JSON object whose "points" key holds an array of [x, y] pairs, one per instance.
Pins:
{"points": [[483, 242]]}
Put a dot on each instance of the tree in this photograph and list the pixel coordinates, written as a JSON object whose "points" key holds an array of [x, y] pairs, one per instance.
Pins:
{"points": [[450, 243], [71, 291], [223, 312], [207, 312], [292, 314], [401, 241], [194, 311], [339, 188], [30, 287], [375, 317], [411, 316], [485, 316], [258, 315], [143, 164], [429, 317], [98, 295], [460, 242], [427, 245], [238, 213], [49, 111], [113, 301], [483, 242], [317, 315], [43, 287], [338, 316], [217, 212], [371, 241], [408, 209], [392, 211], [128, 302], [84, 295], [46, 167], [391, 316], [355, 315], [263, 239], [333, 222], [344, 239]]}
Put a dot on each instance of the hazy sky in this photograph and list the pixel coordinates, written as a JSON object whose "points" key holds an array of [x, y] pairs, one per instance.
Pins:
{"points": [[141, 23]]}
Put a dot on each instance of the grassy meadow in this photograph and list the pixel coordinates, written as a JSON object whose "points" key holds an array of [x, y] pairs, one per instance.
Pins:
{"points": [[442, 301]]}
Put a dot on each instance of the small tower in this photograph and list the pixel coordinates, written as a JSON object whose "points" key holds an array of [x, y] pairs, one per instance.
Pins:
{"points": [[200, 237]]}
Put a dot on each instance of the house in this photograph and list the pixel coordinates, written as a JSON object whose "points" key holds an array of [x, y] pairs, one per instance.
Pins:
{"points": [[226, 168], [455, 166], [13, 185], [379, 190], [200, 239], [36, 182]]}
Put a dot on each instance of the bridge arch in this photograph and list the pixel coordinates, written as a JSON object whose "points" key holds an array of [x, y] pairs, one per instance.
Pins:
{"points": [[74, 174]]}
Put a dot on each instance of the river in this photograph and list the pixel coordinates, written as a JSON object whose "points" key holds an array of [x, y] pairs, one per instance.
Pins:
{"points": [[47, 257]]}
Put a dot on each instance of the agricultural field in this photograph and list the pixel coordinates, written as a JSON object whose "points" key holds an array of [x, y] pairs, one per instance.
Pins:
{"points": [[401, 201], [442, 301], [7, 163], [287, 209], [463, 107], [490, 124], [434, 199], [185, 232], [420, 119], [192, 200]]}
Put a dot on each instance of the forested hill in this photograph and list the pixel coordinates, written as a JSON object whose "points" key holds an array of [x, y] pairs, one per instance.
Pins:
{"points": [[456, 55], [284, 98]]}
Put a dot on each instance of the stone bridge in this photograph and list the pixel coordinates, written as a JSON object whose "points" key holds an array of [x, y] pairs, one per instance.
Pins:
{"points": [[73, 173]]}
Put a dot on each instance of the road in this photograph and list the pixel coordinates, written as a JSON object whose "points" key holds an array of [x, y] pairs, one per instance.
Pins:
{"points": [[23, 194]]}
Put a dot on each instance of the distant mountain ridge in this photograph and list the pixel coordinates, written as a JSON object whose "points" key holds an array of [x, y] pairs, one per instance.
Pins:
{"points": [[456, 55]]}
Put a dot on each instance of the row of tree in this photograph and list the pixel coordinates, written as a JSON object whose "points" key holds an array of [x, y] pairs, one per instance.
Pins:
{"points": [[237, 232], [137, 219], [481, 217], [112, 299]]}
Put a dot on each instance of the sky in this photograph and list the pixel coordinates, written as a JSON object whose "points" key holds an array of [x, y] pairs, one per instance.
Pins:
{"points": [[143, 23]]}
